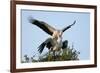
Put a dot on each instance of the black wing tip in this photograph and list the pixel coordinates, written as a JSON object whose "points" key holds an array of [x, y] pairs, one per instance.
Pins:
{"points": [[39, 50], [41, 47], [32, 20], [69, 26], [74, 22]]}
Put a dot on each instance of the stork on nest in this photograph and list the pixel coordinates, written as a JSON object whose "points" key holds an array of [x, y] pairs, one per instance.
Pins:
{"points": [[54, 43]]}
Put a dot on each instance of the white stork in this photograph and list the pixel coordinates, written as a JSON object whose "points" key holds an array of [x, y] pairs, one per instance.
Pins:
{"points": [[55, 42]]}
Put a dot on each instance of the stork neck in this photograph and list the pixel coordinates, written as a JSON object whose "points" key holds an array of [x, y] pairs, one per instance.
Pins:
{"points": [[54, 38]]}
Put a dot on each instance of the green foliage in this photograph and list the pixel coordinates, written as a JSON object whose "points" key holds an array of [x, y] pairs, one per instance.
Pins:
{"points": [[62, 55], [66, 54]]}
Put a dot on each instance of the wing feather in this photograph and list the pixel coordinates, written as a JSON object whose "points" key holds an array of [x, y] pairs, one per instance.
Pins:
{"points": [[43, 25], [64, 29]]}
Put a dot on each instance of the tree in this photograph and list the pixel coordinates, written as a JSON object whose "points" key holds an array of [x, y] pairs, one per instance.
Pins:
{"points": [[62, 55], [66, 54]]}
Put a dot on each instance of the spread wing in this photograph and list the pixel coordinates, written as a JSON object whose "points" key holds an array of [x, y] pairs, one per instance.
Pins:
{"points": [[64, 29], [43, 25], [48, 43]]}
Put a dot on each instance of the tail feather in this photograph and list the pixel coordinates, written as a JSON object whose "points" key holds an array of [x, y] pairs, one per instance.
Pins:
{"points": [[41, 47]]}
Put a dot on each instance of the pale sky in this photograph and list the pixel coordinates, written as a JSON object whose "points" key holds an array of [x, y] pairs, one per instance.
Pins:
{"points": [[78, 35]]}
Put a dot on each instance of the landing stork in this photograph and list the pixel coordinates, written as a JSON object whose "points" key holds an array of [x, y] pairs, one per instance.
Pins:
{"points": [[53, 43]]}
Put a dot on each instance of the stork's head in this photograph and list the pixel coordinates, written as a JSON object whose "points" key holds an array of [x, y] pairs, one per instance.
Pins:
{"points": [[57, 34]]}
